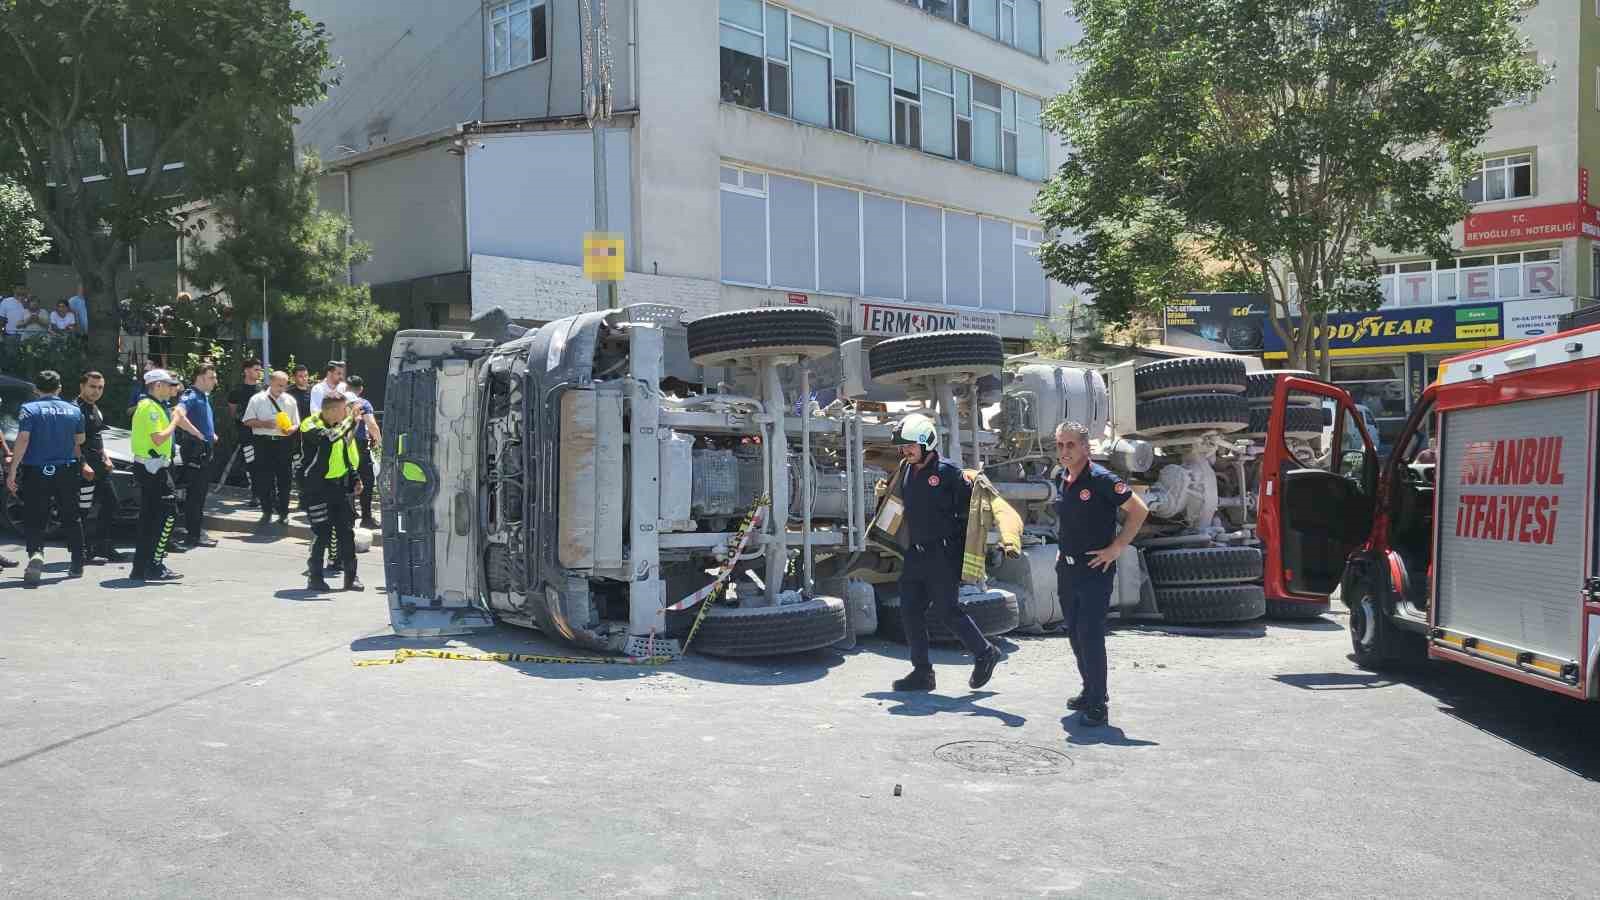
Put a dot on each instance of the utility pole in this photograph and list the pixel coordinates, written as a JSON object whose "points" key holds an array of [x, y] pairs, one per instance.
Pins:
{"points": [[597, 110]]}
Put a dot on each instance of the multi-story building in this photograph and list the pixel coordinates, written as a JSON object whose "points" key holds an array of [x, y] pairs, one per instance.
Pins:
{"points": [[878, 158], [1528, 251]]}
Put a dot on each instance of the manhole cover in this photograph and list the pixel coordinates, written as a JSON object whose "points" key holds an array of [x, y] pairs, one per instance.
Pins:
{"points": [[1004, 758]]}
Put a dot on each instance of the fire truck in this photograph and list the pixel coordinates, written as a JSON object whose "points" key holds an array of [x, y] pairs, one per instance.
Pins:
{"points": [[1473, 542]]}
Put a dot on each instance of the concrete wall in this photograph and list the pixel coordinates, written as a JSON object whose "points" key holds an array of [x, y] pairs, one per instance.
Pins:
{"points": [[406, 68], [554, 87], [410, 208], [685, 131]]}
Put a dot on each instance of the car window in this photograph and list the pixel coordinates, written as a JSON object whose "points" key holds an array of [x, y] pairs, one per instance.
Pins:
{"points": [[1307, 429], [12, 396]]}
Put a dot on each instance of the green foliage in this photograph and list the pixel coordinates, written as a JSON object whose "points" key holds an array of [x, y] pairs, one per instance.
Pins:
{"points": [[22, 237], [1287, 138], [178, 75], [274, 233]]}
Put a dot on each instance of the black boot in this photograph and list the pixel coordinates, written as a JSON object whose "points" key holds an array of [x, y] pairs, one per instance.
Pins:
{"points": [[1077, 703], [352, 583], [110, 554], [983, 668], [316, 583], [918, 680]]}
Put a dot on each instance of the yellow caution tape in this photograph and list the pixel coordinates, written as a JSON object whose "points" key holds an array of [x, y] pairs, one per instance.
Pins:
{"points": [[720, 585]]}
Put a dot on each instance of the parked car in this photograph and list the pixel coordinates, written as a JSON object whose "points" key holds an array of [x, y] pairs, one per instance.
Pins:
{"points": [[13, 393]]}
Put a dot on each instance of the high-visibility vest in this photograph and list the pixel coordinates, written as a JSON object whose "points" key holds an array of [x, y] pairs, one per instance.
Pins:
{"points": [[339, 464], [150, 417]]}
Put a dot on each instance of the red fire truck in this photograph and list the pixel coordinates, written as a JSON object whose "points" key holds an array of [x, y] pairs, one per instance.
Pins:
{"points": [[1477, 534]]}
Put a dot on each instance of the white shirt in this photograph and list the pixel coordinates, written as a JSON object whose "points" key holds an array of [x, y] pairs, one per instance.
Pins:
{"points": [[13, 311], [261, 407], [62, 322], [319, 391]]}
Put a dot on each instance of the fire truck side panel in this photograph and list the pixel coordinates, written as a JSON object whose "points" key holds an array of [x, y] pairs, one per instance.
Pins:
{"points": [[1512, 532]]}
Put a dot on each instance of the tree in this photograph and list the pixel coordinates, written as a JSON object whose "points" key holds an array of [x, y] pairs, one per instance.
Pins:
{"points": [[22, 237], [1287, 138], [127, 90], [265, 229]]}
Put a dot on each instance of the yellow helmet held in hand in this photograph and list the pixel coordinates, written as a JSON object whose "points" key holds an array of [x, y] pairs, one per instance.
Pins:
{"points": [[916, 429]]}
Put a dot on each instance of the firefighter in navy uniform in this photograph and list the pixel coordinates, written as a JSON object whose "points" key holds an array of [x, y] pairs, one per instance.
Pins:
{"points": [[330, 461], [1086, 564], [936, 496]]}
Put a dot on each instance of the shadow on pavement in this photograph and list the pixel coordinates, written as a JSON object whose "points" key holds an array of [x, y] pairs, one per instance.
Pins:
{"points": [[794, 669], [302, 595], [1317, 624], [1108, 735], [1335, 681], [923, 704], [1237, 631]]}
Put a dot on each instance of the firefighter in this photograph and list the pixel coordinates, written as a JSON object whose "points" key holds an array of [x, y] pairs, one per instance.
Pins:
{"points": [[936, 496], [153, 428], [1086, 563], [329, 473]]}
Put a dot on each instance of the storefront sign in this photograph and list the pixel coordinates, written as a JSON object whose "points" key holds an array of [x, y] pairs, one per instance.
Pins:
{"points": [[1405, 330], [891, 320], [1532, 318], [1416, 375], [1535, 223], [1224, 322]]}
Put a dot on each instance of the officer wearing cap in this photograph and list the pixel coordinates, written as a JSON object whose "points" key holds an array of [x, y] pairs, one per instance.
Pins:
{"points": [[329, 473], [936, 497], [152, 429], [1086, 564]]}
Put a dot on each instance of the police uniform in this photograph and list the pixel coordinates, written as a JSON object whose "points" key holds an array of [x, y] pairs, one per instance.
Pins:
{"points": [[99, 490], [196, 464], [936, 498], [49, 473], [158, 496], [1087, 513], [329, 472]]}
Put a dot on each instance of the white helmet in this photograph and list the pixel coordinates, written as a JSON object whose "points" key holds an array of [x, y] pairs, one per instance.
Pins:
{"points": [[916, 429]]}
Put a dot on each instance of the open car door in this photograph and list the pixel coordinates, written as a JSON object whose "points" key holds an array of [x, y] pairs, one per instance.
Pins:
{"points": [[431, 422], [1319, 475]]}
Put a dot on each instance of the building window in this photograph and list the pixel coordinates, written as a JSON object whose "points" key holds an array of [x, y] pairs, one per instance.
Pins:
{"points": [[780, 62], [1501, 178], [518, 35], [1472, 279], [783, 232]]}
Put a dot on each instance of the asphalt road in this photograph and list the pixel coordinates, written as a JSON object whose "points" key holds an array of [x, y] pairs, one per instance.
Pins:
{"points": [[213, 738]]}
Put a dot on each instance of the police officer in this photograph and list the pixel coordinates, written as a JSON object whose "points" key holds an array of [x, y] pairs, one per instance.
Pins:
{"points": [[198, 442], [1086, 564], [368, 437], [936, 497], [44, 468], [153, 428], [329, 472], [96, 468]]}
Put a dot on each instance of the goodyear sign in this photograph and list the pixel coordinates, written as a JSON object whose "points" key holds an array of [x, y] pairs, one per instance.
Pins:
{"points": [[1413, 330]]}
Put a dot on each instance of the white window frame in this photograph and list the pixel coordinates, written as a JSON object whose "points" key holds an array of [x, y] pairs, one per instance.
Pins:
{"points": [[1389, 276], [1502, 163], [1023, 234], [504, 13]]}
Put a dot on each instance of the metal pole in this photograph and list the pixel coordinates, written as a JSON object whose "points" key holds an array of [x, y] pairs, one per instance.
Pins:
{"points": [[599, 113], [807, 479], [777, 451], [266, 326]]}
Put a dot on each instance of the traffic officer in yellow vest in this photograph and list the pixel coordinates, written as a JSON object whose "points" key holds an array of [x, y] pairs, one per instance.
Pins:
{"points": [[330, 459], [153, 428]]}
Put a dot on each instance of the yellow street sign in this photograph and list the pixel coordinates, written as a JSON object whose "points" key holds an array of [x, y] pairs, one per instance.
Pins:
{"points": [[602, 256]]}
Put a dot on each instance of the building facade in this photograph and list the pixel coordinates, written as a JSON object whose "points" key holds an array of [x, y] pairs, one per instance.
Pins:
{"points": [[1528, 252], [877, 158]]}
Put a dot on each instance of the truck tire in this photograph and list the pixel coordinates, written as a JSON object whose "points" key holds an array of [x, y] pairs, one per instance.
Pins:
{"points": [[734, 338], [903, 359], [1294, 610], [1260, 385], [1298, 421], [767, 630], [1203, 565], [994, 612], [1225, 413], [1207, 605], [1189, 375]]}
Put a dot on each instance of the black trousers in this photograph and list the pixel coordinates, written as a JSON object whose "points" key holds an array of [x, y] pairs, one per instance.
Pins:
{"points": [[365, 472], [196, 486], [1085, 599], [272, 478], [41, 486], [933, 580], [332, 529], [99, 492], [158, 512]]}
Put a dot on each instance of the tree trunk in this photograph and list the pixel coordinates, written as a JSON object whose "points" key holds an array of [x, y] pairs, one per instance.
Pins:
{"points": [[100, 291]]}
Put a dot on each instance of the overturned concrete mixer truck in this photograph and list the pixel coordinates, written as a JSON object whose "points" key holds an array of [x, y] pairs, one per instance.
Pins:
{"points": [[1193, 435], [602, 476]]}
